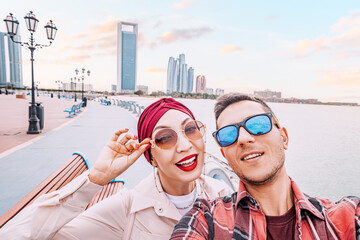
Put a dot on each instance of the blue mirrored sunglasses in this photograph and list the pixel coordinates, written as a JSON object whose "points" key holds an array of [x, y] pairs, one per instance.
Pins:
{"points": [[256, 125]]}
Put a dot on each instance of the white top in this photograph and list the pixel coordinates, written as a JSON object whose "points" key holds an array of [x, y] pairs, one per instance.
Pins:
{"points": [[185, 202]]}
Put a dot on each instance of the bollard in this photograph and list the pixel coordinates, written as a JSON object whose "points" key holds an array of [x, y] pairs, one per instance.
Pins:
{"points": [[135, 105], [130, 106]]}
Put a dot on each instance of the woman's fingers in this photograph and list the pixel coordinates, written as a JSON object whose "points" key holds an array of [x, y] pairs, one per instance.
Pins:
{"points": [[127, 137], [117, 134], [131, 146], [137, 153]]}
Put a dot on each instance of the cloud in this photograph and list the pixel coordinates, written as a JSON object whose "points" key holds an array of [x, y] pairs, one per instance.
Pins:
{"points": [[184, 4], [346, 34], [155, 70], [183, 34], [229, 49], [341, 78]]}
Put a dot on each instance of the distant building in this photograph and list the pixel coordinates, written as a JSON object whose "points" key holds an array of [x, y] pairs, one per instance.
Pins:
{"points": [[200, 84], [219, 91], [10, 61], [190, 79], [113, 88], [267, 94], [209, 91], [143, 88], [126, 57], [179, 77]]}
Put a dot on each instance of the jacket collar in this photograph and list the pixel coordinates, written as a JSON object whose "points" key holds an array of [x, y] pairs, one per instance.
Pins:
{"points": [[301, 201], [147, 195]]}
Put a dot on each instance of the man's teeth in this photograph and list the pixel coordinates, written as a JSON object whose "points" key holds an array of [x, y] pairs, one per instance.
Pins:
{"points": [[252, 156], [187, 162]]}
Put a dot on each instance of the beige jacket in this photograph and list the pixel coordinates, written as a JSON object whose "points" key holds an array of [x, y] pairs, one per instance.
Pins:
{"points": [[59, 215]]}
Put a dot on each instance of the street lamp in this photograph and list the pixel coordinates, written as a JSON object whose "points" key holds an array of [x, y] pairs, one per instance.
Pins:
{"points": [[59, 83], [31, 23]]}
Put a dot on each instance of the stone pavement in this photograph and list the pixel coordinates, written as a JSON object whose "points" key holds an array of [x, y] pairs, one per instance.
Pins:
{"points": [[14, 121], [25, 168]]}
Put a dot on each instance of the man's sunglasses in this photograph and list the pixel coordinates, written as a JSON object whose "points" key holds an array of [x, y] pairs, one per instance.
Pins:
{"points": [[166, 138], [256, 125]]}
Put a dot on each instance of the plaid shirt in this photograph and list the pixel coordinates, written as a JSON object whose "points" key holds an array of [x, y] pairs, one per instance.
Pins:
{"points": [[240, 217]]}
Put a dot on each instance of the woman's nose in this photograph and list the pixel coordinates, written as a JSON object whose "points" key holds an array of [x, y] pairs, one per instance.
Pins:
{"points": [[183, 143]]}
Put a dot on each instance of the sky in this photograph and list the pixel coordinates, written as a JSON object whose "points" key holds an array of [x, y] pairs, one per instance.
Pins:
{"points": [[304, 49]]}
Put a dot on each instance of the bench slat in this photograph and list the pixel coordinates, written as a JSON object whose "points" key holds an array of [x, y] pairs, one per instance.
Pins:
{"points": [[71, 169]]}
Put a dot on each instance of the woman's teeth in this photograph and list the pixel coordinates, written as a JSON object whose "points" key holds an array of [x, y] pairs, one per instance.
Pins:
{"points": [[187, 162], [252, 156]]}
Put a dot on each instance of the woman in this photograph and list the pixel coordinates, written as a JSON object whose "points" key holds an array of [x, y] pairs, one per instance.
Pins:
{"points": [[172, 141]]}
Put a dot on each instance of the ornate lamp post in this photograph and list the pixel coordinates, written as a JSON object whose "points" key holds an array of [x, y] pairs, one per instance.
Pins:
{"points": [[82, 78], [31, 23], [76, 72]]}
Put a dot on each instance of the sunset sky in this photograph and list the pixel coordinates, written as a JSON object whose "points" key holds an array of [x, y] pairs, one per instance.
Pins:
{"points": [[305, 49]]}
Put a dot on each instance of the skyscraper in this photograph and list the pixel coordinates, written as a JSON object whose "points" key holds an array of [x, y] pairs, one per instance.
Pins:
{"points": [[126, 57], [10, 61], [200, 84], [179, 78], [190, 79]]}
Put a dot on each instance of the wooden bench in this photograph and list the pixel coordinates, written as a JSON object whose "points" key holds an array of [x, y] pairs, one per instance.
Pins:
{"points": [[74, 167], [72, 110]]}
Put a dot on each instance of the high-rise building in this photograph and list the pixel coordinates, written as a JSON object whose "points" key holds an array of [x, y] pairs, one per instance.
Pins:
{"points": [[126, 57], [179, 78], [190, 79], [200, 84], [10, 61]]}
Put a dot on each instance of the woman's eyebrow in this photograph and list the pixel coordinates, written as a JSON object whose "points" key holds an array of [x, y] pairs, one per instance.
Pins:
{"points": [[163, 126]]}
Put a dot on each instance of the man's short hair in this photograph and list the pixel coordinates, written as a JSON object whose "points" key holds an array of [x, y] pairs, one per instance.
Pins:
{"points": [[230, 98]]}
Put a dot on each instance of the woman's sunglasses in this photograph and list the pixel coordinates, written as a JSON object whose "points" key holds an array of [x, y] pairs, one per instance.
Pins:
{"points": [[166, 138], [255, 125]]}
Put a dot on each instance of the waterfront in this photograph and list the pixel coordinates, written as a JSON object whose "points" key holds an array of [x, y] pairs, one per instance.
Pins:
{"points": [[323, 155]]}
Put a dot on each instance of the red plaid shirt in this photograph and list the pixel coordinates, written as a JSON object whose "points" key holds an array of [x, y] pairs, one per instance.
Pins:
{"points": [[240, 217]]}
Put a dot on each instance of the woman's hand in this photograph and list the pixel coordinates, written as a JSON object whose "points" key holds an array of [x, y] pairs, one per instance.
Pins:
{"points": [[117, 156]]}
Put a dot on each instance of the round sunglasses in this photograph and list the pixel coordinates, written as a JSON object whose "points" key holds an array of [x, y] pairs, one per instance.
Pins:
{"points": [[166, 138], [256, 125]]}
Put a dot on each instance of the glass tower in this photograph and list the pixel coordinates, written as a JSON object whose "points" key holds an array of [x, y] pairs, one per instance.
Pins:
{"points": [[126, 57], [10, 61]]}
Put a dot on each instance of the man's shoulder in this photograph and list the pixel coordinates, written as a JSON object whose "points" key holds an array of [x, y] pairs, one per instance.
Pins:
{"points": [[352, 202], [227, 202], [207, 216]]}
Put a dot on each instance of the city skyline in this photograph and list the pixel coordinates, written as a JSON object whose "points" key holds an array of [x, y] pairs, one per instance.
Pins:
{"points": [[240, 46], [179, 77]]}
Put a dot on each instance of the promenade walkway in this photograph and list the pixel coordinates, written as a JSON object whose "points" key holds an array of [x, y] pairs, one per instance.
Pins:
{"points": [[25, 168]]}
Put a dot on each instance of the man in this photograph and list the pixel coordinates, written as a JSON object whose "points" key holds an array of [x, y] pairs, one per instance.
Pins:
{"points": [[268, 204]]}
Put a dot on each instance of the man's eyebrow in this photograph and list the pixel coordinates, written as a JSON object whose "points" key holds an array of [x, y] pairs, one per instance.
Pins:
{"points": [[164, 126]]}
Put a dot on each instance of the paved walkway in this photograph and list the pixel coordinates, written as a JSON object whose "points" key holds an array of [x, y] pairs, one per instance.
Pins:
{"points": [[14, 121], [25, 168]]}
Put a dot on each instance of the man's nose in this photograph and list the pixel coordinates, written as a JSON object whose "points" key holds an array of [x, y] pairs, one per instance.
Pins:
{"points": [[245, 137]]}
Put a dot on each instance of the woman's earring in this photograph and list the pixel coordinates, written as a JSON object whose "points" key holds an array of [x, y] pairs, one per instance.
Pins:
{"points": [[157, 188]]}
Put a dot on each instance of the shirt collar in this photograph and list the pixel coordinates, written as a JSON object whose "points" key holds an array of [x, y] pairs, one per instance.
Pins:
{"points": [[301, 201]]}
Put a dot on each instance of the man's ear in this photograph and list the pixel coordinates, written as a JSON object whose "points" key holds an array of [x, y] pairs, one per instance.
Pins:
{"points": [[222, 152], [285, 137]]}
